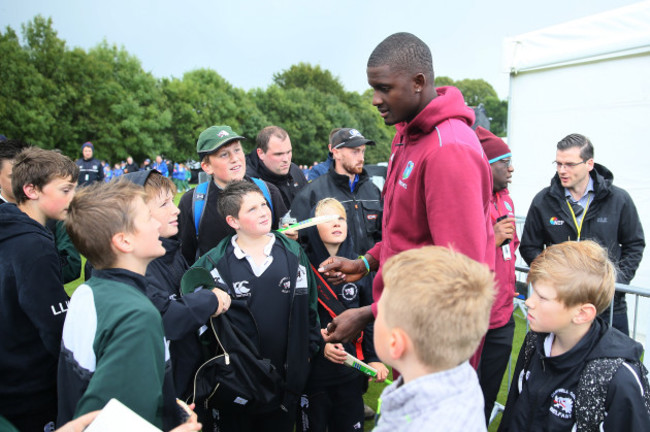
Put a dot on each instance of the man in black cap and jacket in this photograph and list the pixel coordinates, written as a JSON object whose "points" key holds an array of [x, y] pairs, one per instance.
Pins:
{"points": [[349, 183]]}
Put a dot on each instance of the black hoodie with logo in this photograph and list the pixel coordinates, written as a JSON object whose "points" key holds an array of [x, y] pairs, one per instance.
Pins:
{"points": [[543, 394], [33, 306]]}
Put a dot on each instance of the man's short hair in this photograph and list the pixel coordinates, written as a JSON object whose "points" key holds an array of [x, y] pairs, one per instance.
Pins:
{"points": [[580, 272], [10, 148], [98, 212], [441, 299], [156, 184], [403, 52], [232, 196], [265, 135], [39, 167], [578, 141]]}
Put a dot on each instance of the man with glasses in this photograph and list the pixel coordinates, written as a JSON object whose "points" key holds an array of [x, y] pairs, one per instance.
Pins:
{"points": [[582, 203]]}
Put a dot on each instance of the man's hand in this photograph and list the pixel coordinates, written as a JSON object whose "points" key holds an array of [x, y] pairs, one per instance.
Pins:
{"points": [[347, 326], [338, 270], [504, 230], [224, 301]]}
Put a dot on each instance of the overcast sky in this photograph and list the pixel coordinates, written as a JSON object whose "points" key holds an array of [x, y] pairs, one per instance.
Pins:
{"points": [[246, 42]]}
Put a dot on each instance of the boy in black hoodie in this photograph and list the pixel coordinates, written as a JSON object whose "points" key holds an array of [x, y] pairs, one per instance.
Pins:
{"points": [[33, 303], [573, 370], [333, 399]]}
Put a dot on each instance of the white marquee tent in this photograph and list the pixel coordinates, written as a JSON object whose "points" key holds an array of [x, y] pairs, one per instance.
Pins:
{"points": [[588, 76]]}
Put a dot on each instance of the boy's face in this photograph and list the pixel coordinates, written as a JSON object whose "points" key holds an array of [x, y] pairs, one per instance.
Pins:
{"points": [[55, 197], [146, 244], [6, 166], [226, 164], [545, 313], [381, 335], [333, 232], [87, 152], [254, 218], [165, 212]]}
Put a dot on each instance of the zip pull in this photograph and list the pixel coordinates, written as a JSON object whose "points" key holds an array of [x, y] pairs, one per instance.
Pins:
{"points": [[227, 357]]}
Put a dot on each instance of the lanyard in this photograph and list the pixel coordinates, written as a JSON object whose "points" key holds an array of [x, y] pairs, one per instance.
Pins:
{"points": [[584, 215]]}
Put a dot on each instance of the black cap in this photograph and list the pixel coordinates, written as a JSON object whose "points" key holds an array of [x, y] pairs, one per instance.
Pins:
{"points": [[349, 138]]}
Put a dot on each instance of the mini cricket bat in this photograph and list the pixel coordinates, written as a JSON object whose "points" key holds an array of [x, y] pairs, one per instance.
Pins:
{"points": [[357, 364], [309, 222]]}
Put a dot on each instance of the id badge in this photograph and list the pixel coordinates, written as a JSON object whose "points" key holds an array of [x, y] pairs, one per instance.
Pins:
{"points": [[505, 249]]}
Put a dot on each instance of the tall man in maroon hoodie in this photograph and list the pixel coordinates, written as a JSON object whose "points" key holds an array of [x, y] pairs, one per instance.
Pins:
{"points": [[439, 185]]}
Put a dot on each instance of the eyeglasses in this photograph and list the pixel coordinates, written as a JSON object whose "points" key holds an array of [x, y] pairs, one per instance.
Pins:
{"points": [[506, 162], [567, 165]]}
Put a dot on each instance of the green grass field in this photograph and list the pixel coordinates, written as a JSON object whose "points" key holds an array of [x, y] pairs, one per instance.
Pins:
{"points": [[375, 389]]}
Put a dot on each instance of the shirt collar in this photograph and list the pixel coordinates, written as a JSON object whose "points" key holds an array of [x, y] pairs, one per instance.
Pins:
{"points": [[239, 253], [590, 188]]}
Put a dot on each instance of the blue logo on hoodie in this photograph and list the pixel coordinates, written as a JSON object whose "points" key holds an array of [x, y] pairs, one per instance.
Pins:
{"points": [[408, 170]]}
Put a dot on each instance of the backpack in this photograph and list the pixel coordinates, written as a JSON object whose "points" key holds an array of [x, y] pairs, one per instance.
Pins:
{"points": [[200, 196], [593, 384], [235, 377]]}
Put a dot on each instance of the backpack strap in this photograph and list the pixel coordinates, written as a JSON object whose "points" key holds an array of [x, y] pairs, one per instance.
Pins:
{"points": [[591, 393], [265, 191], [331, 303], [199, 197]]}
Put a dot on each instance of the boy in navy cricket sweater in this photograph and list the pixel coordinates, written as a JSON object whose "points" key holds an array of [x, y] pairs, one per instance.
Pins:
{"points": [[33, 302], [274, 300], [333, 398]]}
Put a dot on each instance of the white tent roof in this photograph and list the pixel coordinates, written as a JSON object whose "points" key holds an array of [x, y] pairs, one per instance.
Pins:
{"points": [[619, 32]]}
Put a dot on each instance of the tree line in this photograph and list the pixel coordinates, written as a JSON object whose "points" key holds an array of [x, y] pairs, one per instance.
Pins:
{"points": [[54, 96]]}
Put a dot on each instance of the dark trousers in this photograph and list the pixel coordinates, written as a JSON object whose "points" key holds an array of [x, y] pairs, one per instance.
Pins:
{"points": [[333, 408], [494, 360]]}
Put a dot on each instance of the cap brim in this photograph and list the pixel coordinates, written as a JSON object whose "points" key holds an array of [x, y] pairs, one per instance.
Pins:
{"points": [[354, 142], [226, 142]]}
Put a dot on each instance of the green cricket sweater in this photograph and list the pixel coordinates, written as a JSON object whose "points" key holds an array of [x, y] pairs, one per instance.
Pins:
{"points": [[113, 347]]}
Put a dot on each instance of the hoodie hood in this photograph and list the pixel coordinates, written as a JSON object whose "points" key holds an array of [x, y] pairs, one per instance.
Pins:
{"points": [[139, 177], [614, 344], [315, 248], [449, 104], [15, 223]]}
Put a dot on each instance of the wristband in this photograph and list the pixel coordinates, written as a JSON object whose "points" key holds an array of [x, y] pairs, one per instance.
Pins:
{"points": [[365, 262]]}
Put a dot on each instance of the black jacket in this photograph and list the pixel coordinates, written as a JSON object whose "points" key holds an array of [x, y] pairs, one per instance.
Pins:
{"points": [[33, 306], [182, 316], [611, 220], [90, 171], [350, 295], [213, 226], [542, 396], [289, 185], [364, 206]]}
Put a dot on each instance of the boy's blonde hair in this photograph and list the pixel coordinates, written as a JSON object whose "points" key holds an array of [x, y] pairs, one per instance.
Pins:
{"points": [[441, 299], [39, 167], [97, 213], [580, 272], [332, 203], [156, 184]]}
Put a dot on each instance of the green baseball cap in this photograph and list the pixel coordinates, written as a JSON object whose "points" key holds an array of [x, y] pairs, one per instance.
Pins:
{"points": [[215, 137]]}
